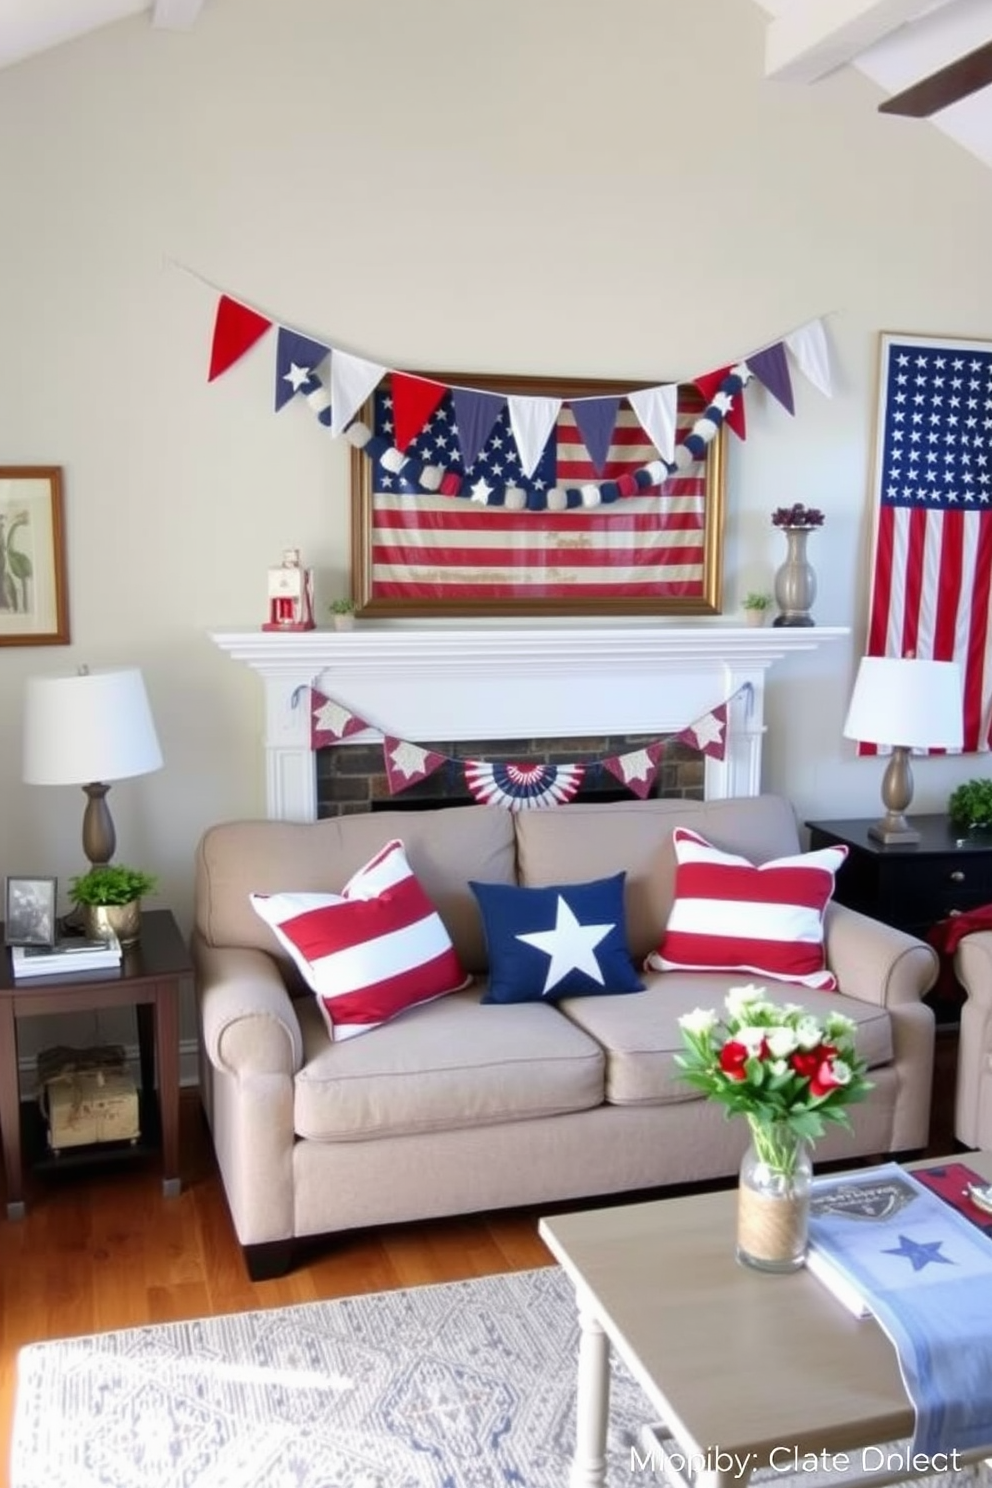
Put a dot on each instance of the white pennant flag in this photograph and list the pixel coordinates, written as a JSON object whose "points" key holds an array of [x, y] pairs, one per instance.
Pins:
{"points": [[656, 409], [809, 347], [352, 379], [532, 420]]}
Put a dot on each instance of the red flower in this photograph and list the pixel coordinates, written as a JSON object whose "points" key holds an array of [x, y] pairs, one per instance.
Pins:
{"points": [[733, 1057], [807, 1063], [824, 1080]]}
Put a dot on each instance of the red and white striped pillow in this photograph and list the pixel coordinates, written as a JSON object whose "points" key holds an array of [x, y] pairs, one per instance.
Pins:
{"points": [[370, 952], [730, 915]]}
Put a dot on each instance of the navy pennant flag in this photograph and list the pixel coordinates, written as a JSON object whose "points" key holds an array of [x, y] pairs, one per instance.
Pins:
{"points": [[932, 565]]}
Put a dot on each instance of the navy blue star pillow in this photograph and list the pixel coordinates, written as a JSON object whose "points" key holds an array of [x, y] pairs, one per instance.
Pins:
{"points": [[568, 940]]}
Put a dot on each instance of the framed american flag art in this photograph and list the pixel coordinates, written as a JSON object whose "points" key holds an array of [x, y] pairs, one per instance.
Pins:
{"points": [[451, 517]]}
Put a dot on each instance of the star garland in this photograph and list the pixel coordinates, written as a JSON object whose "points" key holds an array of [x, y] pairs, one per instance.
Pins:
{"points": [[437, 479]]}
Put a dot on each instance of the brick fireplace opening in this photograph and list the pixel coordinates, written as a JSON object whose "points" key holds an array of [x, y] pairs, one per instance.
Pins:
{"points": [[351, 778]]}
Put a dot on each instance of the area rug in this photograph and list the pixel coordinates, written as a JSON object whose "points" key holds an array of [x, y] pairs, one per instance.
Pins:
{"points": [[466, 1385]]}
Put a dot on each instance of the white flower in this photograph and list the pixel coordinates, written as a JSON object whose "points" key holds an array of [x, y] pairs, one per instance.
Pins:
{"points": [[841, 1072], [740, 1000], [752, 1036], [700, 1020], [778, 1067], [781, 1042], [808, 1033], [839, 1025]]}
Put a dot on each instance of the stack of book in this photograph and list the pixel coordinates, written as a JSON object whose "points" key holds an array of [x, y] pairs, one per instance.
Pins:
{"points": [[66, 958]]}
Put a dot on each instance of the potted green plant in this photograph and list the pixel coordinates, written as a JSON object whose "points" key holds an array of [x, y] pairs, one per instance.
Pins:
{"points": [[110, 896], [755, 606], [343, 613], [970, 804]]}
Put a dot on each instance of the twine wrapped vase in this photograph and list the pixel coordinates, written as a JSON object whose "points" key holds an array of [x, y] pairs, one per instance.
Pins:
{"points": [[773, 1197]]}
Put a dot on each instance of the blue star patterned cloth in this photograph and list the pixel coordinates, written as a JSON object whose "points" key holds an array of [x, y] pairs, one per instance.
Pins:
{"points": [[926, 1275], [567, 940], [937, 432]]}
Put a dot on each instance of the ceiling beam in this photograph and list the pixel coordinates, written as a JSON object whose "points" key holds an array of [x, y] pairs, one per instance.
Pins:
{"points": [[952, 83], [176, 15], [813, 37]]}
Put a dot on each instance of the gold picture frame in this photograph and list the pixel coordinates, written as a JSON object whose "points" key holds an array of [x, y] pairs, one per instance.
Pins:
{"points": [[34, 603], [494, 587]]}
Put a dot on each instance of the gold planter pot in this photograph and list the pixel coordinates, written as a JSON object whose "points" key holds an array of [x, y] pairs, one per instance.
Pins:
{"points": [[123, 919]]}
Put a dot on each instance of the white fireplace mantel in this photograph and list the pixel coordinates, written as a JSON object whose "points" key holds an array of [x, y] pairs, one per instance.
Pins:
{"points": [[514, 683]]}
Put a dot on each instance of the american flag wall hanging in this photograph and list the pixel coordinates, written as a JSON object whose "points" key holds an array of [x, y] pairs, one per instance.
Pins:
{"points": [[932, 495], [651, 551]]}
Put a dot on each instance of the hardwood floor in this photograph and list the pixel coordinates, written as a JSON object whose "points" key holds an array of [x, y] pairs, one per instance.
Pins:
{"points": [[104, 1249]]}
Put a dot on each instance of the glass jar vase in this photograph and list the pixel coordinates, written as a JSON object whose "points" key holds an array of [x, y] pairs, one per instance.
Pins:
{"points": [[773, 1197]]}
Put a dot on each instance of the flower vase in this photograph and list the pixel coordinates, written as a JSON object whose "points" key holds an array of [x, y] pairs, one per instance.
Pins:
{"points": [[773, 1198], [795, 581]]}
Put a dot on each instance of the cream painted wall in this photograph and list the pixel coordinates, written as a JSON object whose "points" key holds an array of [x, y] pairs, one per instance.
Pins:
{"points": [[564, 187]]}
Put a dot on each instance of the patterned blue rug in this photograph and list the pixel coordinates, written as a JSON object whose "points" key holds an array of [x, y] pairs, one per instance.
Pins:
{"points": [[467, 1385]]}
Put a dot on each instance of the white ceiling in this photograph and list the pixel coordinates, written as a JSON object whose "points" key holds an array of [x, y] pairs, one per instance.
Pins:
{"points": [[30, 26], [893, 42]]}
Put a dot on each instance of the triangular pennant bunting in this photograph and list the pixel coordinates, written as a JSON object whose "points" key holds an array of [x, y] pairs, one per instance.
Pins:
{"points": [[731, 407], [657, 410], [297, 360], [407, 763], [595, 419], [414, 401], [771, 368], [352, 380], [708, 734], [330, 722], [636, 769], [236, 329], [475, 415], [809, 347], [532, 420]]}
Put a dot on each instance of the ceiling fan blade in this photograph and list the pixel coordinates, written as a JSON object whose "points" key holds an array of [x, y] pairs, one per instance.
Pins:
{"points": [[955, 81]]}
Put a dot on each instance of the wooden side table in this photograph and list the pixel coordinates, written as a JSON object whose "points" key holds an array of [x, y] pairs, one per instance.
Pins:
{"points": [[149, 980], [909, 886]]}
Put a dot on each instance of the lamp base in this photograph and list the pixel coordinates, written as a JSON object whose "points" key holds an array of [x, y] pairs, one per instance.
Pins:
{"points": [[894, 831]]}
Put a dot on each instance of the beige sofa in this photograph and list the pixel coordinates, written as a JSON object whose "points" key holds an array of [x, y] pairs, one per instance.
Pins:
{"points": [[456, 1106]]}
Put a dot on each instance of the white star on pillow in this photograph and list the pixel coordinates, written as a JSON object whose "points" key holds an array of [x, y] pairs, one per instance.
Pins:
{"points": [[570, 946]]}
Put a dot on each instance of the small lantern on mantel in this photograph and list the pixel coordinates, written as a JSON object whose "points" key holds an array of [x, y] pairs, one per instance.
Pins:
{"points": [[290, 594]]}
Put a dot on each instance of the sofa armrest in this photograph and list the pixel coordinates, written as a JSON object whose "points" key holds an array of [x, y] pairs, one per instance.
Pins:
{"points": [[247, 1021], [973, 1093], [876, 963]]}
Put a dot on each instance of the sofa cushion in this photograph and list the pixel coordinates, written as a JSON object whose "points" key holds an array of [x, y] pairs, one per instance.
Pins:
{"points": [[567, 940], [370, 952], [445, 849], [731, 915], [640, 1035], [447, 1064], [584, 841]]}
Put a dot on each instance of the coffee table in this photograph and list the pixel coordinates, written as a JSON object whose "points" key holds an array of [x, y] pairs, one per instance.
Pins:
{"points": [[745, 1369]]}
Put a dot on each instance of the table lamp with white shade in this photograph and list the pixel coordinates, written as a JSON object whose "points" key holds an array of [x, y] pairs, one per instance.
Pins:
{"points": [[906, 703], [89, 729]]}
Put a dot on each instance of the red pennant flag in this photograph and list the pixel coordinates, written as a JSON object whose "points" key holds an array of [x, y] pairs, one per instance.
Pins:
{"points": [[636, 769], [708, 384], [708, 734], [407, 763], [330, 722], [414, 400], [236, 329]]}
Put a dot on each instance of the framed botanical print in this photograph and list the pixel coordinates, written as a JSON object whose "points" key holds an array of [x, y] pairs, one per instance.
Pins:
{"points": [[586, 527], [34, 604]]}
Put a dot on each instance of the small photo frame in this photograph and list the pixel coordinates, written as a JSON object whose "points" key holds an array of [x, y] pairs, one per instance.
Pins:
{"points": [[29, 913]]}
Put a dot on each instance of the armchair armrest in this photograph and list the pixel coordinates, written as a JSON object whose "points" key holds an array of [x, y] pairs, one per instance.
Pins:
{"points": [[973, 1092], [876, 963], [247, 1020]]}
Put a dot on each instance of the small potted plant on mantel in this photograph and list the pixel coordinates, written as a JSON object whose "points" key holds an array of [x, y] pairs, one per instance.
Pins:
{"points": [[756, 606], [343, 613], [110, 895]]}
